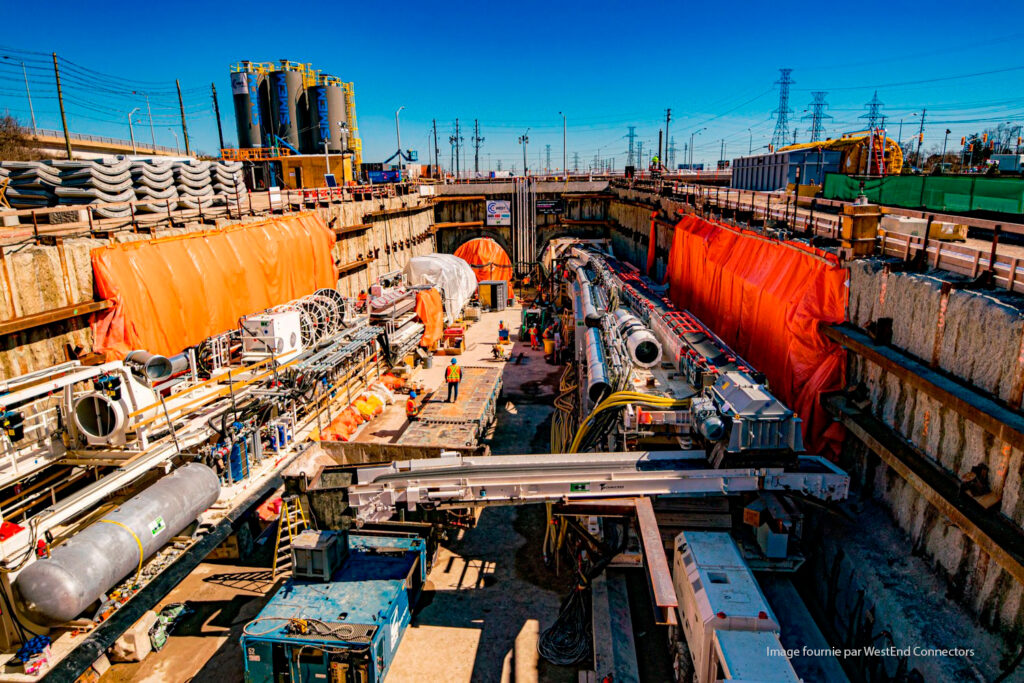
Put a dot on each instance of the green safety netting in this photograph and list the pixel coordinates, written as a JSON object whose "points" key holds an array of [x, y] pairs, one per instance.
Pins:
{"points": [[938, 193]]}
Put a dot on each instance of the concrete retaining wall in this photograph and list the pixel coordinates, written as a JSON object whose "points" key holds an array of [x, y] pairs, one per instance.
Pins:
{"points": [[34, 280]]}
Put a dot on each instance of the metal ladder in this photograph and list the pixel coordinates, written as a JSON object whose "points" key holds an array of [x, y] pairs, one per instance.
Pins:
{"points": [[291, 522]]}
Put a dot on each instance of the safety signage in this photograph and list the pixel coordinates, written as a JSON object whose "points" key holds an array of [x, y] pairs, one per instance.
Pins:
{"points": [[499, 212]]}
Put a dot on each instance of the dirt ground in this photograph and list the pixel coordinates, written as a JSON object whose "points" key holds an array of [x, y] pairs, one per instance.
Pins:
{"points": [[487, 597]]}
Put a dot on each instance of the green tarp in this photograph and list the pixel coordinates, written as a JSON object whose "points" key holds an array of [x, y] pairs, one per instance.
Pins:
{"points": [[938, 193]]}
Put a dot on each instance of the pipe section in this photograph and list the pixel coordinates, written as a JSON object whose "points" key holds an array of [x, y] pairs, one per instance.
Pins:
{"points": [[643, 347], [157, 368], [79, 571], [598, 384]]}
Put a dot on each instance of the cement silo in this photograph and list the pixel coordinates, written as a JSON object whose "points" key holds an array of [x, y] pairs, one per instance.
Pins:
{"points": [[245, 86], [286, 91], [327, 112]]}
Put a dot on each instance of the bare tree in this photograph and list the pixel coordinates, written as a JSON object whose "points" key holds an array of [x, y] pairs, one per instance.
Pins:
{"points": [[14, 141]]}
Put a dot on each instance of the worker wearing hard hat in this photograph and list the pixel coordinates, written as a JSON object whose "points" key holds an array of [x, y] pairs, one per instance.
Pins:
{"points": [[452, 376], [412, 407]]}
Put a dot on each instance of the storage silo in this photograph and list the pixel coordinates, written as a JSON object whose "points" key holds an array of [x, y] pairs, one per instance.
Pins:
{"points": [[286, 89], [327, 111], [245, 94]]}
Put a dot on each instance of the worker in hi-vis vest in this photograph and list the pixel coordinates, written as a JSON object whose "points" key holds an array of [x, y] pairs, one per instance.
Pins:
{"points": [[412, 408], [453, 375]]}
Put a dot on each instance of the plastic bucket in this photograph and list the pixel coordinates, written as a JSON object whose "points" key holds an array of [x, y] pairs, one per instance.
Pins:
{"points": [[549, 346]]}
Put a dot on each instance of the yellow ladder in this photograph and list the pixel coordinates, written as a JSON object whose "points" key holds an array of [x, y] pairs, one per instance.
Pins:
{"points": [[291, 522]]}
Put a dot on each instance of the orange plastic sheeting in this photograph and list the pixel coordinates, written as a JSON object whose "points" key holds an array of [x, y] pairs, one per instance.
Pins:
{"points": [[175, 292], [488, 260], [430, 311], [765, 299]]}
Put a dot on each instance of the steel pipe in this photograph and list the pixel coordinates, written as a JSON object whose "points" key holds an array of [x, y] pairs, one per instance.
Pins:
{"points": [[643, 347], [78, 572], [598, 383]]}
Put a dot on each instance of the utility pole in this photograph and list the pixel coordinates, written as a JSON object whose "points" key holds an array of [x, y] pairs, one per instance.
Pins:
{"points": [[60, 100], [524, 140], [476, 144], [783, 111], [721, 154], [565, 157], [795, 131], [668, 117], [659, 147], [216, 111], [455, 142], [184, 126], [437, 163], [920, 136]]}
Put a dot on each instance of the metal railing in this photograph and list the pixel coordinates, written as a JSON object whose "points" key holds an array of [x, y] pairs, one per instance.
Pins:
{"points": [[59, 135]]}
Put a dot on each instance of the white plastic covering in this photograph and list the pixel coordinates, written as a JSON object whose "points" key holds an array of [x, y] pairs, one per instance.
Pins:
{"points": [[453, 276]]}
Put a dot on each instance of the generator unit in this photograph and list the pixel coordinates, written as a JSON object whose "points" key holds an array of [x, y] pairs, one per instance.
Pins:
{"points": [[730, 630], [347, 629], [277, 333]]}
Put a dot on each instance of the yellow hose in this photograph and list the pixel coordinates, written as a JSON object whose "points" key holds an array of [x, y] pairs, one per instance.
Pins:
{"points": [[621, 399]]}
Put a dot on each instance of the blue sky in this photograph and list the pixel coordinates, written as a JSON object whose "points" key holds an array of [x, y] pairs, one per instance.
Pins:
{"points": [[607, 65]]}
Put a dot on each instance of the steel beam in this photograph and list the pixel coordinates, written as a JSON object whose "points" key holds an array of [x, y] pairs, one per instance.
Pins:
{"points": [[55, 315], [999, 538], [996, 419], [658, 571]]}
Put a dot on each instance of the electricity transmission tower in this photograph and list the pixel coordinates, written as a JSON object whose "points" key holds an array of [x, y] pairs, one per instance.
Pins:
{"points": [[672, 153], [783, 112], [476, 145], [817, 115], [547, 158], [874, 112], [640, 153], [631, 135], [576, 162]]}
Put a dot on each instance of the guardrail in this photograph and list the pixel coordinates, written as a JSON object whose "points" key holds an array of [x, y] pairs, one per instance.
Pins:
{"points": [[84, 137], [806, 217]]}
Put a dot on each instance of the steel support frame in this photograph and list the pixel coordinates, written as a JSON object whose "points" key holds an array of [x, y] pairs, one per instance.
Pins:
{"points": [[1005, 424], [470, 481], [659, 574], [995, 535]]}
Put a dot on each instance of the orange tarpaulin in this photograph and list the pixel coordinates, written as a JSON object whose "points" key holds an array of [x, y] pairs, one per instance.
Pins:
{"points": [[174, 292], [488, 260], [765, 299], [430, 311]]}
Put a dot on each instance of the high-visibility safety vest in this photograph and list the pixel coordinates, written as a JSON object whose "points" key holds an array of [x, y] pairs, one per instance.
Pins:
{"points": [[453, 373]]}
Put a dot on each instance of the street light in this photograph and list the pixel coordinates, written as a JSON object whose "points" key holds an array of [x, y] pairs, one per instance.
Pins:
{"points": [[177, 149], [565, 157], [398, 134], [942, 159], [149, 110], [750, 146], [524, 140], [28, 93], [696, 132], [131, 128]]}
